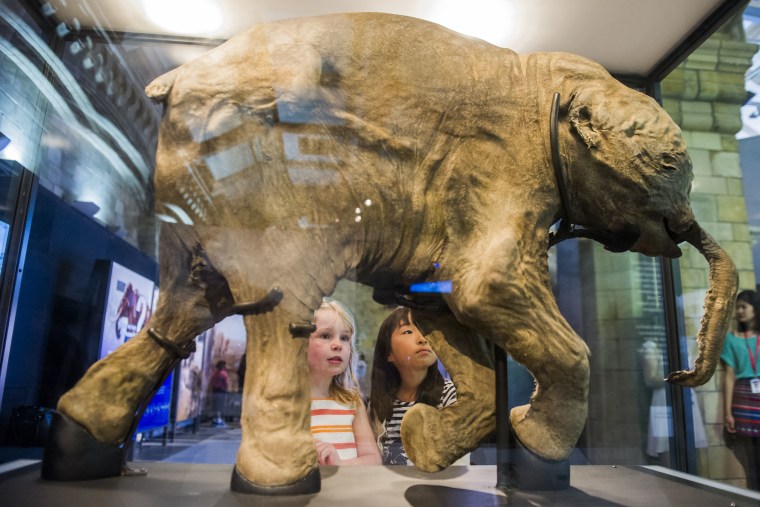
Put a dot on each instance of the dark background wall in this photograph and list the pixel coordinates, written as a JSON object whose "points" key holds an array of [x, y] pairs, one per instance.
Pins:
{"points": [[57, 324]]}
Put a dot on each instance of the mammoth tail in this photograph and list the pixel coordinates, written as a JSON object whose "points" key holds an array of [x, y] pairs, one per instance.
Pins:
{"points": [[160, 87], [719, 302]]}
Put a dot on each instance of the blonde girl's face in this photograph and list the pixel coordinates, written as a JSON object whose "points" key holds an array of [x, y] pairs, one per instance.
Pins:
{"points": [[409, 349], [329, 345], [745, 313]]}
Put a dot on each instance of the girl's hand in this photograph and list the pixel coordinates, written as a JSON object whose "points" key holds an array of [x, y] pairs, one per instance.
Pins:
{"points": [[327, 454], [729, 420]]}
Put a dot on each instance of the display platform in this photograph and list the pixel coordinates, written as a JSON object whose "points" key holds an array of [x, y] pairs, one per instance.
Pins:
{"points": [[205, 485]]}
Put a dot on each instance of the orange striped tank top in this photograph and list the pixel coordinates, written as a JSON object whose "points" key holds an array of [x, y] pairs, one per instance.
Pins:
{"points": [[332, 422]]}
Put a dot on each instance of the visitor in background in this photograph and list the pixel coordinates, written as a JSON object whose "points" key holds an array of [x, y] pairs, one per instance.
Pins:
{"points": [[741, 386], [219, 387], [361, 374]]}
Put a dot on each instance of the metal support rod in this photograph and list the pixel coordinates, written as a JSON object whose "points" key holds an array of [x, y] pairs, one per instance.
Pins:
{"points": [[683, 459], [504, 441], [683, 456], [517, 468]]}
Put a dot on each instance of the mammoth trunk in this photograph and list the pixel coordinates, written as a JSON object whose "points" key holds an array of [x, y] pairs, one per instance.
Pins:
{"points": [[719, 303]]}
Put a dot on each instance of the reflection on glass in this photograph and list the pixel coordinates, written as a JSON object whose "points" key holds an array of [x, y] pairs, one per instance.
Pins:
{"points": [[78, 117]]}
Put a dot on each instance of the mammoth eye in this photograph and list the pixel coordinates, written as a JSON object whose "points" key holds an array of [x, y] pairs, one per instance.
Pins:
{"points": [[669, 161], [584, 114]]}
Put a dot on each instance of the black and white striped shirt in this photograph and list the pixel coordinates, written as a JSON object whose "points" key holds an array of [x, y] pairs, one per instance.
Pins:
{"points": [[392, 450]]}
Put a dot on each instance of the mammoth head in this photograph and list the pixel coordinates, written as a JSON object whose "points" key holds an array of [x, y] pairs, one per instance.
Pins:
{"points": [[625, 143], [629, 178]]}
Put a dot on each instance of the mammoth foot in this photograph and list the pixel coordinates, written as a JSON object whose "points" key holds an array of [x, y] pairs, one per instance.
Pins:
{"points": [[308, 485], [426, 434], [549, 435], [73, 454]]}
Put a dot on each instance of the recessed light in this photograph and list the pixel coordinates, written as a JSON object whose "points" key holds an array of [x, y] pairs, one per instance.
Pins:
{"points": [[189, 17], [493, 21]]}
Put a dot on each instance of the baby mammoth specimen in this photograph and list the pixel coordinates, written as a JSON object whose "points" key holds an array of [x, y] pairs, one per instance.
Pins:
{"points": [[389, 150]]}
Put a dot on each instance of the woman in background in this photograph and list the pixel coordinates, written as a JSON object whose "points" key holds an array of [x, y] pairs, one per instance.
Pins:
{"points": [[741, 386]]}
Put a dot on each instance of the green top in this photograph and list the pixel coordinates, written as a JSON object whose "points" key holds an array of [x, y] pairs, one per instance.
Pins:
{"points": [[736, 356]]}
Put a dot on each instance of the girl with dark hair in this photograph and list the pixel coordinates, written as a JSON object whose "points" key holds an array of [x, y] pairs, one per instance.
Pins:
{"points": [[404, 372], [741, 385]]}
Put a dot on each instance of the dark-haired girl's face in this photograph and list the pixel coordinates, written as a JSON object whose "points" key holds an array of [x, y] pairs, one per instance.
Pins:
{"points": [[745, 313], [409, 349]]}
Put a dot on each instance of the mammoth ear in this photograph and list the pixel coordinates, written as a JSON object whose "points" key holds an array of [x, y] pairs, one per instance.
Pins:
{"points": [[582, 122]]}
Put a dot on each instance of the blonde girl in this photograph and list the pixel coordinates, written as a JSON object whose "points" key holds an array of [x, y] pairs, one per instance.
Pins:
{"points": [[339, 421]]}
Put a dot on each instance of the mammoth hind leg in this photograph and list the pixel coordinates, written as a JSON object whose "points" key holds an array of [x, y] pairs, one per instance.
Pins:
{"points": [[98, 415], [427, 432]]}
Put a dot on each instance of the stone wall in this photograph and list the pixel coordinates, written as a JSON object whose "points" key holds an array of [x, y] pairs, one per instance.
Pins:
{"points": [[704, 96], [623, 317]]}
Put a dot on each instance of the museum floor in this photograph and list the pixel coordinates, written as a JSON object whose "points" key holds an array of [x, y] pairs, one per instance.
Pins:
{"points": [[208, 444], [195, 469]]}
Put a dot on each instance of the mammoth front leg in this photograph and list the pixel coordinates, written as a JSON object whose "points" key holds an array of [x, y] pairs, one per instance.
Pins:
{"points": [[426, 432], [508, 297], [277, 453], [551, 423]]}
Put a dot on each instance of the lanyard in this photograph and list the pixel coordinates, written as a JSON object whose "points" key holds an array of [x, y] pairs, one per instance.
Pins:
{"points": [[753, 359]]}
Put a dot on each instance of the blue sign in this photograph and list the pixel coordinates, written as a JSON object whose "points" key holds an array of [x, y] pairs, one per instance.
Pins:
{"points": [[442, 287], [156, 414]]}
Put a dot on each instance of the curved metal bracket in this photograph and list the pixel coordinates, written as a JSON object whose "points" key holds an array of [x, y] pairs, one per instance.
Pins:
{"points": [[263, 305]]}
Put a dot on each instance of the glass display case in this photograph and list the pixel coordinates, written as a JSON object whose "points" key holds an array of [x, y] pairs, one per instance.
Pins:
{"points": [[257, 179]]}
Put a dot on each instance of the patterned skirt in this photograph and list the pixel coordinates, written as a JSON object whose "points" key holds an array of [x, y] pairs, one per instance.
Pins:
{"points": [[746, 409]]}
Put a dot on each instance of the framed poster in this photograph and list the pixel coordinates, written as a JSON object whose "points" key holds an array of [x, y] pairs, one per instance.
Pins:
{"points": [[129, 303], [158, 410]]}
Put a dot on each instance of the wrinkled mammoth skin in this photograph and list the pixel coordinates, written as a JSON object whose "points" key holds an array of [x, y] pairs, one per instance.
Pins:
{"points": [[375, 147]]}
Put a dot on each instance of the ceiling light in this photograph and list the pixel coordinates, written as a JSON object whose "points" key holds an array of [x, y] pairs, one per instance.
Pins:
{"points": [[187, 17], [493, 21], [10, 153]]}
